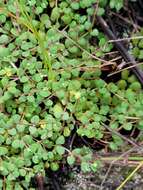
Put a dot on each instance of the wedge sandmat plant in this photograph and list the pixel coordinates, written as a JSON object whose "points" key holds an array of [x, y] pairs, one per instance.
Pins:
{"points": [[26, 20], [137, 45], [38, 115]]}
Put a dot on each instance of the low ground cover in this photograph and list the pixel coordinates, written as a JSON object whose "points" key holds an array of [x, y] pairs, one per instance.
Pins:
{"points": [[57, 103]]}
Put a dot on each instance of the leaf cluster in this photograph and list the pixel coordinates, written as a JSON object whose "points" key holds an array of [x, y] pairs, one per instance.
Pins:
{"points": [[38, 112]]}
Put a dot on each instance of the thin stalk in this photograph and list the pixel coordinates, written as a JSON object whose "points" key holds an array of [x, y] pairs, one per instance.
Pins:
{"points": [[130, 158], [130, 176]]}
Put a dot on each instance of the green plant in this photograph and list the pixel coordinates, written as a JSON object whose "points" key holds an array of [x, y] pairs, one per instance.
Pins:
{"points": [[137, 46], [37, 114], [116, 4]]}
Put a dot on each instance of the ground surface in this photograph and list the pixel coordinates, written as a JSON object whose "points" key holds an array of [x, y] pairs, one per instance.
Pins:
{"points": [[117, 174]]}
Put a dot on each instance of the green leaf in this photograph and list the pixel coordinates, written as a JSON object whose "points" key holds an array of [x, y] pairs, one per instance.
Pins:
{"points": [[60, 150], [75, 5], [12, 132], [33, 130], [34, 147], [66, 18], [112, 4], [67, 132], [44, 93], [87, 25], [37, 77], [29, 176], [24, 79], [15, 173], [50, 156], [35, 159], [73, 49], [119, 5], [125, 74], [35, 119], [1, 184], [113, 146], [71, 160], [122, 84], [55, 14], [27, 153], [114, 125], [94, 32], [2, 139], [100, 11], [85, 167], [2, 18], [60, 140], [16, 143], [4, 52], [94, 166], [128, 126], [65, 116], [45, 20], [135, 86], [54, 166], [58, 110], [28, 139], [10, 177], [19, 162], [5, 81], [4, 39], [3, 151], [2, 130], [12, 90], [30, 99], [140, 125], [74, 85], [112, 87]]}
